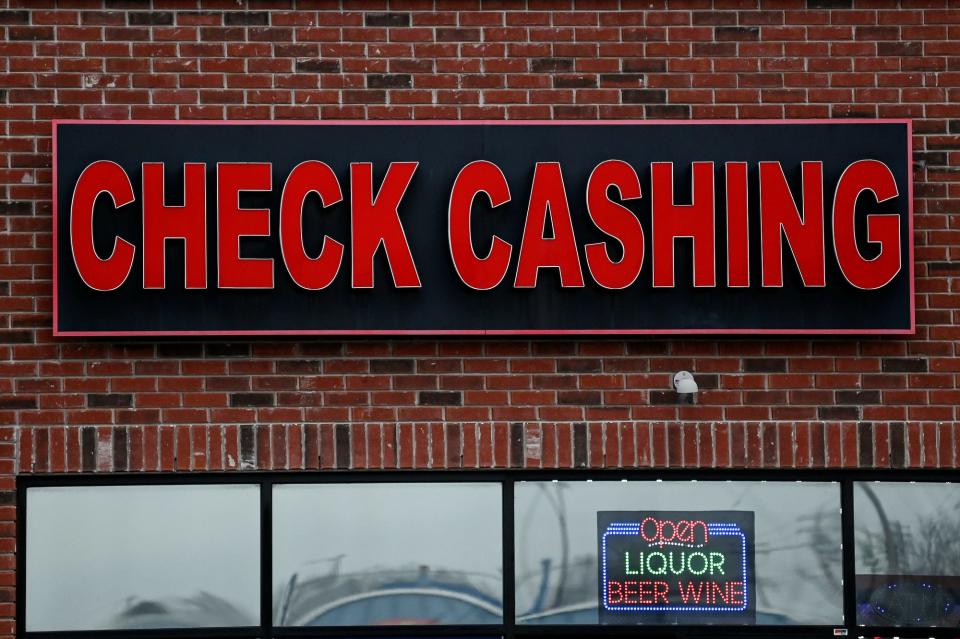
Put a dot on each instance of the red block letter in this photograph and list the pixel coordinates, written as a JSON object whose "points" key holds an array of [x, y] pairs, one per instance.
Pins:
{"points": [[99, 274], [377, 220], [476, 272], [548, 197], [234, 223], [738, 231], [874, 176], [616, 221], [695, 220], [310, 273], [187, 222], [779, 217]]}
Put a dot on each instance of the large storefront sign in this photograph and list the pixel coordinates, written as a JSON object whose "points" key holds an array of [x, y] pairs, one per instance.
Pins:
{"points": [[676, 567], [482, 228]]}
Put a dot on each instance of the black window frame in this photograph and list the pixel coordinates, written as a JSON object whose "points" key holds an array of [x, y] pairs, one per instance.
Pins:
{"points": [[507, 478]]}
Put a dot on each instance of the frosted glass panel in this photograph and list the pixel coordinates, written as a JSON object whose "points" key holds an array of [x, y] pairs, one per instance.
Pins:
{"points": [[138, 557], [387, 554]]}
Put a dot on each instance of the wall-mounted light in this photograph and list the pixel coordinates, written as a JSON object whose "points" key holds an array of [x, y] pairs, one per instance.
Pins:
{"points": [[684, 383], [685, 386]]}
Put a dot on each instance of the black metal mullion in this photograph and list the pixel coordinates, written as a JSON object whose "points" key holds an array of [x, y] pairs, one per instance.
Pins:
{"points": [[511, 475], [848, 556], [509, 561], [153, 633], [374, 632], [907, 632], [651, 631], [266, 558]]}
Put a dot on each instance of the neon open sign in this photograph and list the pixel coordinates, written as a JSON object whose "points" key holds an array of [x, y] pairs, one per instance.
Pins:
{"points": [[676, 567]]}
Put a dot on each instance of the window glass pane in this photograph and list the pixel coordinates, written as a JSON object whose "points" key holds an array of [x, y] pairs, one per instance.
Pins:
{"points": [[678, 553], [386, 554], [135, 557], [907, 554]]}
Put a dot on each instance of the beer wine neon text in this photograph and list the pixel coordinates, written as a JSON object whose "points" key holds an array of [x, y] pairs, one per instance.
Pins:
{"points": [[787, 225]]}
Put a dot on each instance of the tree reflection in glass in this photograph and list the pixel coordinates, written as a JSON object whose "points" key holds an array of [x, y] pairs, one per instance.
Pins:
{"points": [[907, 554]]}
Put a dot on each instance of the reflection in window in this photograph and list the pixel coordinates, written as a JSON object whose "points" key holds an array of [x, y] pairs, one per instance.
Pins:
{"points": [[387, 554], [796, 547], [138, 557], [907, 554]]}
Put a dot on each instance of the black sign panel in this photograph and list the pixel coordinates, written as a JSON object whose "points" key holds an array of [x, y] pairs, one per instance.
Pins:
{"points": [[482, 228], [676, 567]]}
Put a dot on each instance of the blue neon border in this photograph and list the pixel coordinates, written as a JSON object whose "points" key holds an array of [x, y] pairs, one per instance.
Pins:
{"points": [[715, 528]]}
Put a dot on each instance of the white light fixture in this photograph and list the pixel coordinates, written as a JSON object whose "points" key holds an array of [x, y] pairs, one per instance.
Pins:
{"points": [[684, 383]]}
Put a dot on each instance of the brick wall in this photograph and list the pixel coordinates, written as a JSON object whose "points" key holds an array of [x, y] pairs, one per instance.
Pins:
{"points": [[100, 405]]}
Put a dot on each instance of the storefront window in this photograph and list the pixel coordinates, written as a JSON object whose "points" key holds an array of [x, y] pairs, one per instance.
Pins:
{"points": [[907, 554], [142, 557], [387, 554], [689, 553], [361, 554]]}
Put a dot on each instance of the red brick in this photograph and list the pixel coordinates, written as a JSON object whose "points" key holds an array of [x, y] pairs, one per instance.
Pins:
{"points": [[473, 63]]}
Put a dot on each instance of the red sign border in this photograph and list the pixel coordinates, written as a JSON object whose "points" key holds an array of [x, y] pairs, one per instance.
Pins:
{"points": [[499, 332]]}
